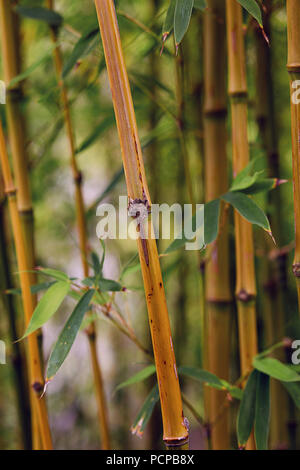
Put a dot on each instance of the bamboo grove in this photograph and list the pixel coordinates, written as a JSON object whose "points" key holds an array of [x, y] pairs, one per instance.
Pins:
{"points": [[122, 327]]}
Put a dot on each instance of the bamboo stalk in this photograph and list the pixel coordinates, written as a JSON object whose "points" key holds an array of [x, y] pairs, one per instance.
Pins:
{"points": [[10, 40], [273, 274], [217, 285], [18, 358], [35, 369], [245, 273], [82, 234], [293, 67], [175, 428]]}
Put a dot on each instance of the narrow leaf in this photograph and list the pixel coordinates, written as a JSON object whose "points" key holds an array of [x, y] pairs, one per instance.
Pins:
{"points": [[262, 412], [67, 336], [78, 50], [47, 306], [169, 20], [109, 285], [211, 220], [55, 273], [211, 380], [138, 377], [253, 9], [183, 12], [248, 209], [145, 412], [42, 14], [246, 413], [275, 369]]}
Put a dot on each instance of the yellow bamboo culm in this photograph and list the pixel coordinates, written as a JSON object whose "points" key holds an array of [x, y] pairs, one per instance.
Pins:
{"points": [[293, 66], [245, 273], [217, 285], [82, 235], [175, 429], [9, 31], [35, 370]]}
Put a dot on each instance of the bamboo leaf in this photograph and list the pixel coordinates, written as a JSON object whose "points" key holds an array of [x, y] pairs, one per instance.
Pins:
{"points": [[145, 412], [211, 380], [248, 209], [265, 184], [39, 13], [253, 9], [246, 413], [110, 285], [138, 377], [275, 369], [55, 273], [67, 336], [262, 412], [28, 72], [211, 220], [96, 263], [96, 133], [169, 20], [200, 4], [47, 306], [183, 12], [245, 182], [79, 49], [293, 389]]}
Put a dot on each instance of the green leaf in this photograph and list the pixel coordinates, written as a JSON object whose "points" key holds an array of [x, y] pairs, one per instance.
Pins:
{"points": [[246, 415], [47, 306], [211, 380], [211, 220], [145, 412], [262, 412], [96, 263], [200, 4], [138, 377], [293, 389], [265, 184], [55, 273], [35, 288], [183, 12], [246, 182], [35, 65], [79, 49], [248, 209], [67, 336], [40, 13], [253, 9], [275, 369], [109, 285], [169, 20], [95, 134]]}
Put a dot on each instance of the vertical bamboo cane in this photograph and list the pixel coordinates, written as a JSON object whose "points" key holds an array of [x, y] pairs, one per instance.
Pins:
{"points": [[174, 424], [35, 369], [245, 274], [81, 226], [293, 67], [9, 30], [217, 286], [273, 274], [18, 358]]}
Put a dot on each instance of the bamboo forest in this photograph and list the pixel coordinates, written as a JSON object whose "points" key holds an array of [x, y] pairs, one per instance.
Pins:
{"points": [[150, 225]]}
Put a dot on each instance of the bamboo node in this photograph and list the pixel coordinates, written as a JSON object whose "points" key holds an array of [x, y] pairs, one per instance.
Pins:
{"points": [[244, 296], [296, 269], [38, 387]]}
